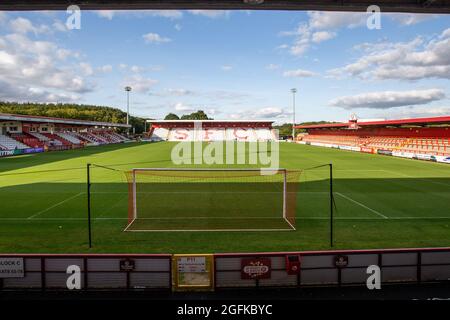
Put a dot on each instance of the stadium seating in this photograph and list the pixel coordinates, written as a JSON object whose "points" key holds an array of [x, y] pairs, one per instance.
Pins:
{"points": [[213, 134], [432, 146], [10, 144], [91, 138], [39, 136], [160, 134], [27, 139], [68, 137], [265, 134], [99, 137], [57, 140], [108, 137]]}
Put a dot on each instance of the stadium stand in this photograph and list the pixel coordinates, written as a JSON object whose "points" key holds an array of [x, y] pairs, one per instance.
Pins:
{"points": [[27, 139], [211, 130], [30, 134], [39, 136], [11, 144], [57, 140], [68, 137], [407, 137]]}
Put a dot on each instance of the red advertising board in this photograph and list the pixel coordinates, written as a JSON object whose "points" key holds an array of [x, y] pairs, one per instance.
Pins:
{"points": [[367, 150], [256, 268]]}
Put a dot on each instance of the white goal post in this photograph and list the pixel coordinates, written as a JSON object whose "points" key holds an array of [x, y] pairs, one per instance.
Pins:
{"points": [[211, 199]]}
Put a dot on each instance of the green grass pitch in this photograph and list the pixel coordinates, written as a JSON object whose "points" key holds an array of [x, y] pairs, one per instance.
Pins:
{"points": [[382, 202]]}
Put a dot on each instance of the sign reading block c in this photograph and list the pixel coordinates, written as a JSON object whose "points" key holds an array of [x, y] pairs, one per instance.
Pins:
{"points": [[11, 268]]}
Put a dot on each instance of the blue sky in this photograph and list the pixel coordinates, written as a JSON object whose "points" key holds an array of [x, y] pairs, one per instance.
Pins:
{"points": [[232, 64]]}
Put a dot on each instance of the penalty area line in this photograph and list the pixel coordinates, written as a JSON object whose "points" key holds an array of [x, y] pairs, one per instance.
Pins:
{"points": [[362, 205], [54, 206]]}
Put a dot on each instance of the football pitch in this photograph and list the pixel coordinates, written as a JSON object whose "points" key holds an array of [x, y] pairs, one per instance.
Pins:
{"points": [[380, 202]]}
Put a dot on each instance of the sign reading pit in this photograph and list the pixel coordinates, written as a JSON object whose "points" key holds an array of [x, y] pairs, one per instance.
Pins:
{"points": [[193, 272], [11, 268]]}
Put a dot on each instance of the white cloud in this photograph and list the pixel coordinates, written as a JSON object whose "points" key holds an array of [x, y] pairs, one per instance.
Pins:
{"points": [[106, 68], [177, 27], [182, 107], [3, 17], [38, 70], [408, 19], [155, 38], [59, 26], [226, 68], [107, 14], [445, 34], [320, 36], [299, 73], [282, 47], [388, 99], [86, 69], [21, 93], [175, 93], [23, 26], [171, 14], [110, 14], [266, 113], [135, 69], [139, 83], [210, 13], [412, 72], [332, 20], [180, 92], [322, 26], [272, 66], [314, 30], [413, 60], [416, 112]]}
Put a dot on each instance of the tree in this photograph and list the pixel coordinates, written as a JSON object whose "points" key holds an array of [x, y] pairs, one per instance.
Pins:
{"points": [[199, 115], [172, 116], [286, 128], [72, 111]]}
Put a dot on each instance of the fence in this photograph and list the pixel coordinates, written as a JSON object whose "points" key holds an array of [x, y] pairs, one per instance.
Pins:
{"points": [[98, 271], [234, 270], [336, 268]]}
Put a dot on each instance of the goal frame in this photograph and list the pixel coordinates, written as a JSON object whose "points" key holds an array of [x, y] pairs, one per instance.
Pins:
{"points": [[268, 171]]}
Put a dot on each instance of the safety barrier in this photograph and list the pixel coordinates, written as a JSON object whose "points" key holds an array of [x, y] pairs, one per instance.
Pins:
{"points": [[97, 271], [228, 270]]}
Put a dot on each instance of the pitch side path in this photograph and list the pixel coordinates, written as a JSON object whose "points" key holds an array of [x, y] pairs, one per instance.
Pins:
{"points": [[381, 202]]}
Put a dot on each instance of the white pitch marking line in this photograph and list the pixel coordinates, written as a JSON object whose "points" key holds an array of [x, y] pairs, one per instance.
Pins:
{"points": [[212, 230], [55, 205], [362, 205], [369, 218]]}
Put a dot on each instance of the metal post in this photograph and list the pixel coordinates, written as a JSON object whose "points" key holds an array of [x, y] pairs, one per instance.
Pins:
{"points": [[89, 203], [128, 107], [294, 91], [128, 89], [331, 205]]}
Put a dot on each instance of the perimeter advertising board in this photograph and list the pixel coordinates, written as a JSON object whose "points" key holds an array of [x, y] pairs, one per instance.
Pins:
{"points": [[11, 268], [193, 272]]}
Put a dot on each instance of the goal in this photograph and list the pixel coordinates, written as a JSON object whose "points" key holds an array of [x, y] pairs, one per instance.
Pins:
{"points": [[174, 199]]}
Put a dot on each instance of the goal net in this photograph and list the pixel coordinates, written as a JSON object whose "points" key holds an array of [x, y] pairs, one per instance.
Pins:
{"points": [[212, 199]]}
